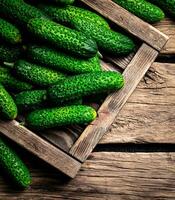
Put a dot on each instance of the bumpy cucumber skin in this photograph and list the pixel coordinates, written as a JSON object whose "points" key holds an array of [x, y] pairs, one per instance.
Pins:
{"points": [[14, 166], [55, 117], [8, 109], [19, 12], [167, 5], [9, 32], [62, 2], [107, 40], [142, 9], [62, 37], [65, 14], [60, 61], [36, 74], [84, 85], [30, 100], [9, 53], [36, 99], [11, 83]]}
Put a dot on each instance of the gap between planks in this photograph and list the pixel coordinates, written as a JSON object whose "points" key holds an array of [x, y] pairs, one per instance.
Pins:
{"points": [[105, 175], [114, 103]]}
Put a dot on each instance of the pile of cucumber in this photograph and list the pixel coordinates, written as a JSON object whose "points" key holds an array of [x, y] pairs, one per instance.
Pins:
{"points": [[50, 62]]}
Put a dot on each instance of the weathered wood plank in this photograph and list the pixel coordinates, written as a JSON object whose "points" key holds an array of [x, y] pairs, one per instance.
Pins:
{"points": [[114, 103], [129, 22], [63, 139], [167, 26], [40, 147], [149, 115], [122, 62], [134, 176]]}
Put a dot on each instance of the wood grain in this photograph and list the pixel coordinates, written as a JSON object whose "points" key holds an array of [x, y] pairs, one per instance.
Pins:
{"points": [[129, 22], [121, 62], [149, 115], [114, 103], [167, 27], [40, 147], [110, 176], [65, 138]]}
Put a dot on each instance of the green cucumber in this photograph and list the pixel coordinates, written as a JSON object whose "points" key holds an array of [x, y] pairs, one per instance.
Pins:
{"points": [[36, 74], [9, 53], [55, 117], [12, 83], [61, 2], [107, 40], [60, 61], [14, 166], [85, 85], [19, 12], [9, 32], [30, 100], [167, 5], [65, 14], [142, 9], [8, 109], [36, 99], [64, 38]]}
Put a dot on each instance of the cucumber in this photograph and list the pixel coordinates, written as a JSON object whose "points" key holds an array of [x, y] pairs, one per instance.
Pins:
{"points": [[30, 100], [36, 99], [19, 12], [36, 74], [64, 38], [107, 40], [9, 32], [65, 14], [142, 9], [8, 109], [12, 83], [59, 2], [85, 85], [56, 117], [60, 61], [13, 165], [9, 53], [167, 5]]}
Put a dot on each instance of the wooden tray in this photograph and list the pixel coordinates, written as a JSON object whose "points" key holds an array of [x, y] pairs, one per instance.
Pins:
{"points": [[67, 149]]}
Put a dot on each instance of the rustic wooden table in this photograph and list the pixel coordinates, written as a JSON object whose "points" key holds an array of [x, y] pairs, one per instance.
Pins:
{"points": [[135, 159]]}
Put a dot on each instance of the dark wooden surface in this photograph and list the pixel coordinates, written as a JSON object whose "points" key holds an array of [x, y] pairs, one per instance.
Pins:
{"points": [[134, 160]]}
